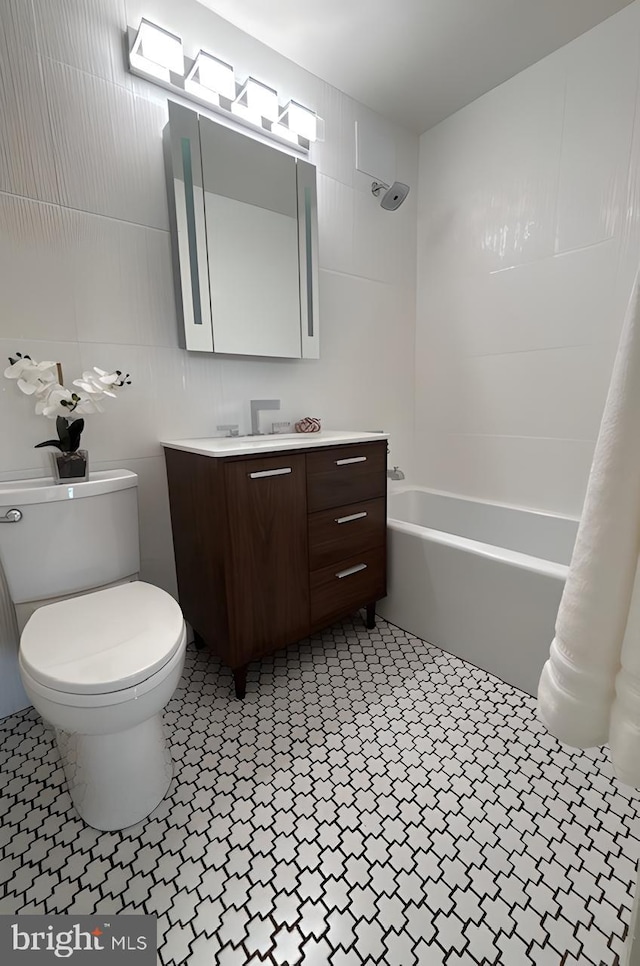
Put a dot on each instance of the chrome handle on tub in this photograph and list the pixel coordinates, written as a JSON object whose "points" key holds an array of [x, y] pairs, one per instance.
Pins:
{"points": [[261, 473], [12, 516], [352, 459], [351, 570], [349, 519]]}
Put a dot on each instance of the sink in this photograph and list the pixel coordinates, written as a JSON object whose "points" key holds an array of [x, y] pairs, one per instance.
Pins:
{"points": [[276, 442]]}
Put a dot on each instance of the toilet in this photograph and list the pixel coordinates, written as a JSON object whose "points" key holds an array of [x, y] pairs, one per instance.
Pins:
{"points": [[101, 652]]}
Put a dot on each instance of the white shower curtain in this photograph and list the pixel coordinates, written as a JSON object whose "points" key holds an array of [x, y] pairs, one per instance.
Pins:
{"points": [[589, 691]]}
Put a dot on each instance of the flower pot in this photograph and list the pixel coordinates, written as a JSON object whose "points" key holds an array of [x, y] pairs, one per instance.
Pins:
{"points": [[70, 467]]}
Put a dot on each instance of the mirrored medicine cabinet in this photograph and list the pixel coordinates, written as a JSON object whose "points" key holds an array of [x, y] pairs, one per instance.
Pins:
{"points": [[244, 237]]}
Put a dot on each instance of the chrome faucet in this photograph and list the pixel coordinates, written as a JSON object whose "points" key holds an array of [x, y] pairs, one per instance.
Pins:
{"points": [[257, 405], [395, 474], [229, 429]]}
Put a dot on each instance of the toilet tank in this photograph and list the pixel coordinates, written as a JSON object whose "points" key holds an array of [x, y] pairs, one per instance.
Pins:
{"points": [[72, 537]]}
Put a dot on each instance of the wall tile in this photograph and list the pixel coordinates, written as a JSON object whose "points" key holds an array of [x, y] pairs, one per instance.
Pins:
{"points": [[377, 237], [335, 156], [69, 275], [35, 280], [602, 74], [517, 328], [630, 227], [187, 393], [87, 35], [542, 474], [440, 389], [365, 344], [122, 282], [375, 150], [335, 224], [18, 24], [488, 175], [558, 301], [108, 147], [26, 149], [557, 393]]}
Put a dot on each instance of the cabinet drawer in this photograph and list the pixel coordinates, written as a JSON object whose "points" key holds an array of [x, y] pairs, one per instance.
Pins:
{"points": [[346, 474], [344, 531], [342, 587]]}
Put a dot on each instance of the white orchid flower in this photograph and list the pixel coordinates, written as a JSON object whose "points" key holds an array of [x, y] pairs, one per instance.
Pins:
{"points": [[39, 379], [88, 405], [33, 377], [97, 382], [51, 405]]}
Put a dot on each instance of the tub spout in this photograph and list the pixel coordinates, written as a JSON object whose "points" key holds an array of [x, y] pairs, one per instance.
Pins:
{"points": [[395, 474]]}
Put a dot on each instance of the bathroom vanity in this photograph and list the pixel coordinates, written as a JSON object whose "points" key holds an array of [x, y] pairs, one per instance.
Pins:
{"points": [[276, 537]]}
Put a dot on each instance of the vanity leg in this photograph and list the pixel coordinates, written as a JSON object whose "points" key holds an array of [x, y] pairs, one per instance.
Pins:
{"points": [[198, 641], [240, 680], [371, 616]]}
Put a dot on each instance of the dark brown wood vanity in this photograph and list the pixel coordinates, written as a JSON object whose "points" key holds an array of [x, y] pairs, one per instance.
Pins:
{"points": [[270, 548]]}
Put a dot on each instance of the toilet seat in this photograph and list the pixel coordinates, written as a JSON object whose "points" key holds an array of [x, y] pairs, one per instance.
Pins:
{"points": [[110, 698], [108, 644]]}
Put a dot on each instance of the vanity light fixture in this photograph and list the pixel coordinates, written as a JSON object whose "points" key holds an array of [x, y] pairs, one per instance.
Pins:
{"points": [[284, 134], [157, 55], [256, 101], [210, 79], [156, 51], [300, 120]]}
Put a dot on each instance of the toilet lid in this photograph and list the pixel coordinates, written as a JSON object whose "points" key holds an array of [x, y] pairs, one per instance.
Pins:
{"points": [[105, 641]]}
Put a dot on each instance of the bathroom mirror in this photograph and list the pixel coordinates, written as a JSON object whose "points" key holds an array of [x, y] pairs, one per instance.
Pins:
{"points": [[244, 232]]}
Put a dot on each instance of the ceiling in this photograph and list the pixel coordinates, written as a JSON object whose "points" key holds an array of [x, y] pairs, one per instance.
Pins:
{"points": [[416, 61]]}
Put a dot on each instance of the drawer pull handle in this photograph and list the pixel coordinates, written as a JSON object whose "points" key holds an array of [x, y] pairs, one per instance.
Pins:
{"points": [[261, 473], [351, 459], [349, 519], [351, 570]]}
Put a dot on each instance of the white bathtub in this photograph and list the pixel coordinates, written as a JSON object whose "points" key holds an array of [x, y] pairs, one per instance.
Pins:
{"points": [[478, 579]]}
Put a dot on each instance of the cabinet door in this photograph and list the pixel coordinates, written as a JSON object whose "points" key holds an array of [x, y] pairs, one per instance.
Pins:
{"points": [[267, 556]]}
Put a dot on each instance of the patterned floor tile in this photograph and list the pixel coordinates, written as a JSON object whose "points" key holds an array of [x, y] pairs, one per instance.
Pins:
{"points": [[372, 801]]}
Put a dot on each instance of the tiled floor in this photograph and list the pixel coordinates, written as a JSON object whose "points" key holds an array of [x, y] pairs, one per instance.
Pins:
{"points": [[373, 800]]}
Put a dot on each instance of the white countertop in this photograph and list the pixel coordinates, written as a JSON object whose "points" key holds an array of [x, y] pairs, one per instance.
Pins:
{"points": [[274, 442]]}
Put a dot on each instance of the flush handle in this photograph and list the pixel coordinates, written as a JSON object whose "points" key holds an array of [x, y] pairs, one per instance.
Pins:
{"points": [[12, 516]]}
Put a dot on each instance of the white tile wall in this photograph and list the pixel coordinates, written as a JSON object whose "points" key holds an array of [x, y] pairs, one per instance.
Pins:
{"points": [[599, 110], [86, 35], [551, 393], [335, 224], [26, 147], [517, 470], [85, 270], [108, 147], [528, 243]]}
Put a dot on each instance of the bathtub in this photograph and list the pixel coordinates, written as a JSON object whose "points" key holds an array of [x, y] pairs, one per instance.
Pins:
{"points": [[480, 580]]}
